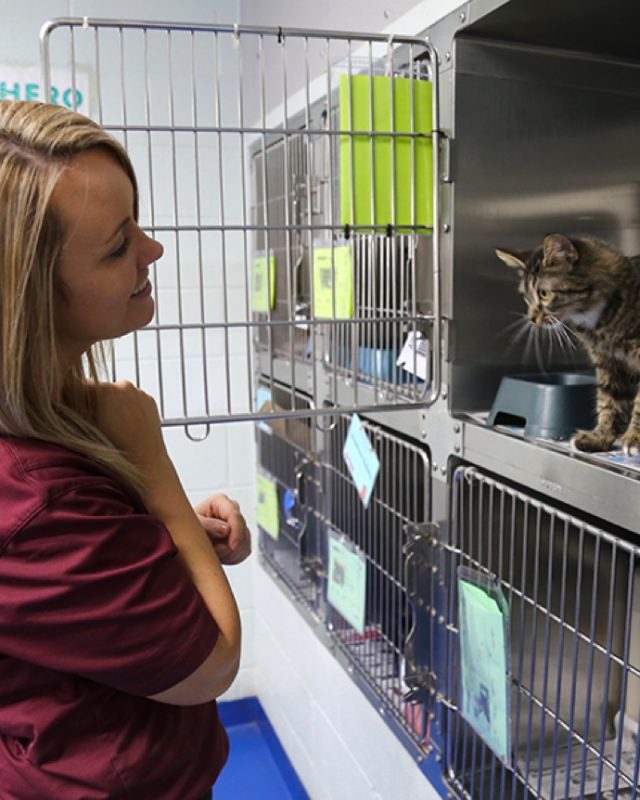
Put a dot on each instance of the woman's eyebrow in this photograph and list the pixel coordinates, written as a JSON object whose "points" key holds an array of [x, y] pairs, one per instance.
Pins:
{"points": [[116, 231]]}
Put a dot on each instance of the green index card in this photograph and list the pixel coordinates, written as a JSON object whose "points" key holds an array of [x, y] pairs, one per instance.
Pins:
{"points": [[267, 508], [263, 289], [347, 582], [369, 159], [332, 280], [484, 667]]}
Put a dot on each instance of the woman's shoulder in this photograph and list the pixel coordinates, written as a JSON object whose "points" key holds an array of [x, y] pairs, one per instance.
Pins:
{"points": [[37, 471], [35, 457]]}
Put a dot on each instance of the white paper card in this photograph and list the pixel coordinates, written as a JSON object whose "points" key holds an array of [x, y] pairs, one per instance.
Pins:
{"points": [[414, 356]]}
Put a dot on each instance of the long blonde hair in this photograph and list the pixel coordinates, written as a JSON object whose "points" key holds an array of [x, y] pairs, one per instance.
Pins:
{"points": [[39, 396]]}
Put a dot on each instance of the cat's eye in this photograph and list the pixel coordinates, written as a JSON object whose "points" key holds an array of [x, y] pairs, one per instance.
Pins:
{"points": [[544, 295]]}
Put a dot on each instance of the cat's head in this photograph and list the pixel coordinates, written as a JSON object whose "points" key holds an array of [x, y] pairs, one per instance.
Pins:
{"points": [[561, 280]]}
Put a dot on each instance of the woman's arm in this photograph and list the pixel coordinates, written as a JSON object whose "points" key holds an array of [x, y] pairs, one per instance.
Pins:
{"points": [[129, 418]]}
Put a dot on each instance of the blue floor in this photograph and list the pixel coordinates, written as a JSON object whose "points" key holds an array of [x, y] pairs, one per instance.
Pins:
{"points": [[258, 767]]}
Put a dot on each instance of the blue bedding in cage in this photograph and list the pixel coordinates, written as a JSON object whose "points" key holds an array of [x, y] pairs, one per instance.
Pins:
{"points": [[380, 364]]}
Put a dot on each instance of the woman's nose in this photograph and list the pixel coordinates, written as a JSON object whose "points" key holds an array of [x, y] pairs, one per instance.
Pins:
{"points": [[152, 250]]}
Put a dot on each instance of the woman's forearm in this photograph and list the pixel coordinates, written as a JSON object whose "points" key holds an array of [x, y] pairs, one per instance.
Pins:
{"points": [[167, 500]]}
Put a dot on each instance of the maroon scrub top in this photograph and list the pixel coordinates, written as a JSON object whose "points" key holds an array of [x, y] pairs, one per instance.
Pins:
{"points": [[96, 612]]}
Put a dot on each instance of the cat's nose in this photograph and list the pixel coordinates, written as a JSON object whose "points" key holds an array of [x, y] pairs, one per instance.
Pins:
{"points": [[537, 316]]}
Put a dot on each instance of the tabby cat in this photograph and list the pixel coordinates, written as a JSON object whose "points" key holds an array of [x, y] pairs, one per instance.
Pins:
{"points": [[591, 288]]}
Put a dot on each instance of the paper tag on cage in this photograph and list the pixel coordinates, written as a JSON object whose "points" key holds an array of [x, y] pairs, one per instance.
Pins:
{"points": [[484, 661], [361, 460], [267, 508], [347, 581], [263, 404], [263, 282], [332, 281], [414, 356]]}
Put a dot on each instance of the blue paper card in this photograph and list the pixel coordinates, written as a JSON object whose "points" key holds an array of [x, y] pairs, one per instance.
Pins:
{"points": [[263, 404], [484, 661], [347, 581], [361, 459]]}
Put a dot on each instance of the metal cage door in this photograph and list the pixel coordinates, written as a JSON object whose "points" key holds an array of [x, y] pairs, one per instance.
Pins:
{"points": [[292, 176], [573, 651]]}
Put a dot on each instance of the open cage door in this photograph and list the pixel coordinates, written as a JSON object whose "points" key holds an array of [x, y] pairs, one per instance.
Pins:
{"points": [[292, 177]]}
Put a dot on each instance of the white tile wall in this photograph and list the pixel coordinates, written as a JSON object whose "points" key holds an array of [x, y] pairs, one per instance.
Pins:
{"points": [[334, 737]]}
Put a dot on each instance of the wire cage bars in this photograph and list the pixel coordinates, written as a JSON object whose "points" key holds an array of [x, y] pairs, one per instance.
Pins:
{"points": [[292, 177], [291, 538], [572, 651], [384, 655]]}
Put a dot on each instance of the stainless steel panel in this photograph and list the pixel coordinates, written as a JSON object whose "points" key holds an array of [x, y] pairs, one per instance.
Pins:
{"points": [[579, 481], [544, 141]]}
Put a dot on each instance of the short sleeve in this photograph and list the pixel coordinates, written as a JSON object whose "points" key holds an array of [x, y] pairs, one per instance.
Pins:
{"points": [[93, 586]]}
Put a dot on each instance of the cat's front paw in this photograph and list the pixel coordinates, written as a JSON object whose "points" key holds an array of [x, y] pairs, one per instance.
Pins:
{"points": [[592, 441], [631, 442]]}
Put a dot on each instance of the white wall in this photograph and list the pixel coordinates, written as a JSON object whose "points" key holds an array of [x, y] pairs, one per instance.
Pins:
{"points": [[339, 745]]}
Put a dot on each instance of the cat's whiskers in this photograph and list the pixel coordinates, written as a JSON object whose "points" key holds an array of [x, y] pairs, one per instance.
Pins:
{"points": [[557, 334], [538, 349], [522, 326], [521, 321], [564, 336], [531, 337]]}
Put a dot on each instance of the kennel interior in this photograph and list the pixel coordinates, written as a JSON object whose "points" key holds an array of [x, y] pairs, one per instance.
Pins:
{"points": [[342, 220], [544, 118]]}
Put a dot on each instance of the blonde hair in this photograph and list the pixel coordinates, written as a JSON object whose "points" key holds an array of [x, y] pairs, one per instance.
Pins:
{"points": [[40, 396]]}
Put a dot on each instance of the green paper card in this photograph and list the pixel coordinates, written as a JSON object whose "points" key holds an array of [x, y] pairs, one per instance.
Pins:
{"points": [[267, 508], [369, 160], [263, 287], [333, 278], [484, 661], [347, 582]]}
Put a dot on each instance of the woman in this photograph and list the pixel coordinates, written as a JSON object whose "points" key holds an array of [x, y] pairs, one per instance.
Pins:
{"points": [[117, 625]]}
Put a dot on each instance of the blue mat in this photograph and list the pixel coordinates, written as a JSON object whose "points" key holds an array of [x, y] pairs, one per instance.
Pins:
{"points": [[258, 767]]}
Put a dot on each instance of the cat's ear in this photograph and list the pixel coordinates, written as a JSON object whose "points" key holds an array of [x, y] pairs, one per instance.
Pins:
{"points": [[514, 258], [558, 249]]}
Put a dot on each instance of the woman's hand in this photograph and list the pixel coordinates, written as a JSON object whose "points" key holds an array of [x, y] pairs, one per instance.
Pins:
{"points": [[129, 418], [227, 529]]}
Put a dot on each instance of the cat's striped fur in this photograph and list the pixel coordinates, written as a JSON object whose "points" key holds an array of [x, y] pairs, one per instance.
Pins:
{"points": [[591, 287]]}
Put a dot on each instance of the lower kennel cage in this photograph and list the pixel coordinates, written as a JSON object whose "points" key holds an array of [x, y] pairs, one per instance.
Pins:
{"points": [[293, 546], [554, 711], [385, 654]]}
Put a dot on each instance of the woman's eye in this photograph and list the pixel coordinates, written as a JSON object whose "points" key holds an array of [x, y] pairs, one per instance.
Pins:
{"points": [[121, 250], [544, 295]]}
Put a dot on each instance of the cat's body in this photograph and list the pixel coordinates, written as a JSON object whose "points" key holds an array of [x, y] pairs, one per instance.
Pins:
{"points": [[594, 289]]}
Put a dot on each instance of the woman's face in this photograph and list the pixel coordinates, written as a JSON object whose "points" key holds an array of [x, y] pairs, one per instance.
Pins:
{"points": [[104, 264]]}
